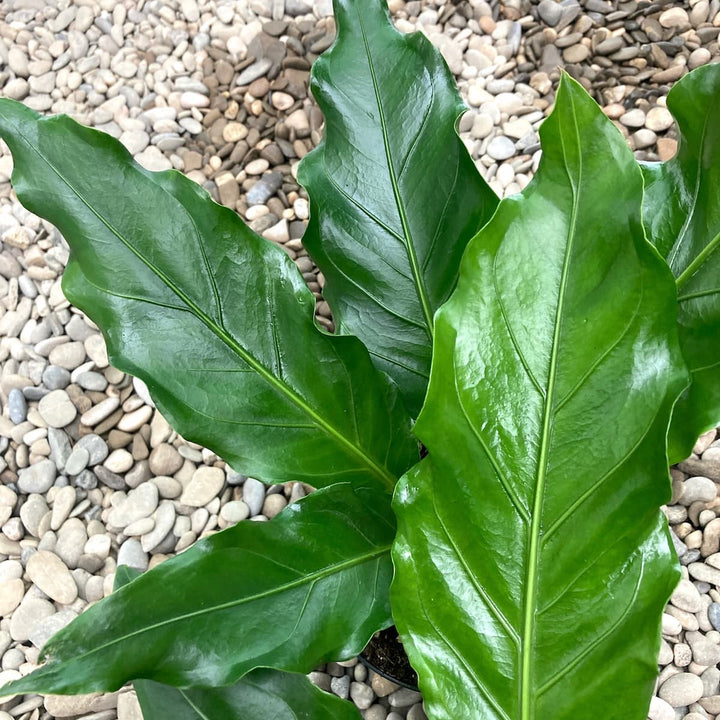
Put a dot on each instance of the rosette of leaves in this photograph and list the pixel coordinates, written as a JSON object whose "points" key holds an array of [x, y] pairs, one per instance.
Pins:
{"points": [[539, 335]]}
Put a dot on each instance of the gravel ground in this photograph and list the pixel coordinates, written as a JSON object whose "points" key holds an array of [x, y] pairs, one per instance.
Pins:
{"points": [[92, 475]]}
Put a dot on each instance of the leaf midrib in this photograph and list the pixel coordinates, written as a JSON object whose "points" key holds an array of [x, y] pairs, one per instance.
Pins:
{"points": [[527, 710], [219, 329], [408, 239]]}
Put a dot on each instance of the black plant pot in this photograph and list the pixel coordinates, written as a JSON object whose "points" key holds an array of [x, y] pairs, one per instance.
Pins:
{"points": [[385, 655]]}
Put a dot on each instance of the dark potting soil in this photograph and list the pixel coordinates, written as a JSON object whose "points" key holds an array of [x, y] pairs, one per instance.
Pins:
{"points": [[385, 655]]}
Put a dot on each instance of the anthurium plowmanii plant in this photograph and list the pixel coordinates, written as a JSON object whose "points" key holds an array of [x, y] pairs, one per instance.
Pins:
{"points": [[550, 348]]}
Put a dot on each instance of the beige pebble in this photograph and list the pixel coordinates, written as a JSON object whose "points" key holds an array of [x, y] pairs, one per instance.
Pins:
{"points": [[51, 575], [257, 167], [11, 594], [135, 420], [100, 412], [282, 101], [96, 350], [56, 409], [165, 460], [204, 485], [119, 461], [234, 132], [62, 506]]}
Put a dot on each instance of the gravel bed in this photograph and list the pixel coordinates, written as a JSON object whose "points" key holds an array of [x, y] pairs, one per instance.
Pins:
{"points": [[91, 474]]}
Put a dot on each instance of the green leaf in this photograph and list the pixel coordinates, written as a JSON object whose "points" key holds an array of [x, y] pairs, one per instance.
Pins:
{"points": [[310, 586], [532, 561], [395, 196], [216, 320], [682, 218], [257, 696], [260, 695]]}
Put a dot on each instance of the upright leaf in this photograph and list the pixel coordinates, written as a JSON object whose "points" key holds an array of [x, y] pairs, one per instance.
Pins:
{"points": [[395, 196], [532, 561], [257, 696], [682, 217], [216, 320], [311, 585]]}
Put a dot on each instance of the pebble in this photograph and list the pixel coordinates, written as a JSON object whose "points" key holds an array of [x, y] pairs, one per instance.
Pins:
{"points": [[204, 485], [30, 611], [681, 690], [165, 460], [501, 148], [56, 409], [95, 415], [686, 597], [119, 461], [77, 461], [11, 594], [698, 489], [38, 478], [253, 495], [65, 499], [139, 503], [264, 188], [132, 554], [17, 406], [95, 446], [52, 576], [714, 615], [68, 355], [237, 510], [164, 520]]}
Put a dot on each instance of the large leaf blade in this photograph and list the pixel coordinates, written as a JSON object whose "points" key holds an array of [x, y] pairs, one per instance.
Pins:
{"points": [[310, 586], [682, 217], [532, 561], [257, 696], [215, 319], [260, 695], [395, 196]]}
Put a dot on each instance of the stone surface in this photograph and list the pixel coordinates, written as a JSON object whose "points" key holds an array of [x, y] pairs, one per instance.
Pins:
{"points": [[52, 576]]}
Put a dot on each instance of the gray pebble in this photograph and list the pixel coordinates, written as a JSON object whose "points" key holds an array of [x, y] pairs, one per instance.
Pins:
{"points": [[17, 406], [714, 615], [501, 148], [254, 495], [109, 478], [698, 489], [55, 378], [550, 12], [86, 480], [132, 554], [340, 686], [60, 447], [77, 461], [264, 188], [404, 697], [254, 71], [92, 381], [37, 478], [96, 447]]}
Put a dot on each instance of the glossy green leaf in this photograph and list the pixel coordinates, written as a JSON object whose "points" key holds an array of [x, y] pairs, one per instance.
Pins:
{"points": [[682, 218], [216, 320], [532, 560], [260, 695], [310, 586], [395, 196]]}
